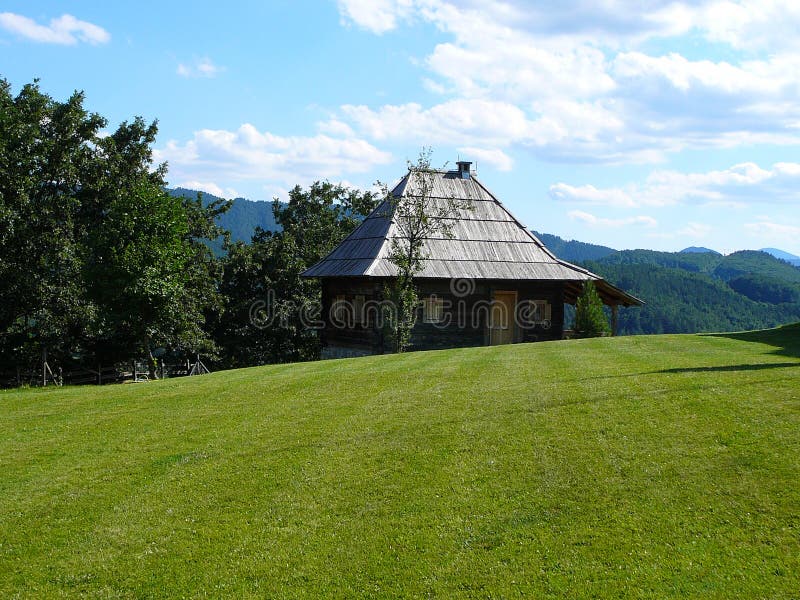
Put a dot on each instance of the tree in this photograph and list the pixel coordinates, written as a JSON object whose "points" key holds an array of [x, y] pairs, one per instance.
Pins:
{"points": [[151, 275], [267, 303], [95, 257], [417, 216], [45, 149], [590, 320]]}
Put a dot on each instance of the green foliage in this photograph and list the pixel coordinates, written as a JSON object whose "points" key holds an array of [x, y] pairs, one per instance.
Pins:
{"points": [[766, 289], [96, 257], [590, 320], [659, 467], [268, 306]]}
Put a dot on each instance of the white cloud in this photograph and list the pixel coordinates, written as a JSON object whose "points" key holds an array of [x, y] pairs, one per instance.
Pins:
{"points": [[589, 194], [496, 158], [199, 67], [778, 230], [594, 221], [210, 188], [66, 30], [247, 154], [740, 184], [457, 121], [692, 230], [574, 80], [377, 16], [767, 229]]}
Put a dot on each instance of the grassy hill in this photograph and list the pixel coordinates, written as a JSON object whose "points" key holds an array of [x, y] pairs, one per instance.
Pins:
{"points": [[626, 467]]}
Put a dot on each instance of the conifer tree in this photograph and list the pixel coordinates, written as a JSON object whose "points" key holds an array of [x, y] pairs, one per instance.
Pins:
{"points": [[590, 320]]}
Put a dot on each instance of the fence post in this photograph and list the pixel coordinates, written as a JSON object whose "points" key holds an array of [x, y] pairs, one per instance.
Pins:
{"points": [[44, 367]]}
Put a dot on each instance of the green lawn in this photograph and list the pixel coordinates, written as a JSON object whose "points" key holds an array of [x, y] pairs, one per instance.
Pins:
{"points": [[663, 466]]}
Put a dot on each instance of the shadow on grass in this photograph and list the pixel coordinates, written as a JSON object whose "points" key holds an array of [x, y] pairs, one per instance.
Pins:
{"points": [[786, 339], [724, 368]]}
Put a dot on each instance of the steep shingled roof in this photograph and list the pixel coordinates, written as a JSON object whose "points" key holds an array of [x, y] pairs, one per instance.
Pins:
{"points": [[487, 242]]}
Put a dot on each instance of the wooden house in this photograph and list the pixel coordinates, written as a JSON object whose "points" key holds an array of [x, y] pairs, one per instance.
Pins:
{"points": [[490, 281]]}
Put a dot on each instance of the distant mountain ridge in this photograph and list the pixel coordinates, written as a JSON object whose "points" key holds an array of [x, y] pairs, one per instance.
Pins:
{"points": [[242, 218], [698, 250], [783, 255], [572, 250]]}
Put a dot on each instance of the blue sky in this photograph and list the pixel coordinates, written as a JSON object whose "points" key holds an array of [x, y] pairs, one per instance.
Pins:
{"points": [[632, 124]]}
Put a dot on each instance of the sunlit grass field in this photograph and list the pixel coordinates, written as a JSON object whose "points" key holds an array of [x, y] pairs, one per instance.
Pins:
{"points": [[655, 466]]}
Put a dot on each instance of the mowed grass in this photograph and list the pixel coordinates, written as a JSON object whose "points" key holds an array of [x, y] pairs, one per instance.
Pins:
{"points": [[662, 466]]}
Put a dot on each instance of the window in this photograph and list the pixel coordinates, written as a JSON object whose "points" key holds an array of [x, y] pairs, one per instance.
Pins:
{"points": [[433, 310], [543, 312], [535, 312]]}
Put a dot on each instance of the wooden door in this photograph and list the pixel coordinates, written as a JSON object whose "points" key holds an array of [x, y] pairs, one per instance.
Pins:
{"points": [[501, 318]]}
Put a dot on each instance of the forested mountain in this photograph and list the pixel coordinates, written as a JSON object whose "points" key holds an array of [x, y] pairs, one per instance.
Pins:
{"points": [[681, 301], [573, 250], [692, 290], [241, 219]]}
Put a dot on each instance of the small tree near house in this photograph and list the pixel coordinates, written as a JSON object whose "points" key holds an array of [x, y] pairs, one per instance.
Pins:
{"points": [[590, 320], [417, 216]]}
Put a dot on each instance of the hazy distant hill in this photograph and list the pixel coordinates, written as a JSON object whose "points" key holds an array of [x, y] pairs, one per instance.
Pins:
{"points": [[783, 255], [698, 250]]}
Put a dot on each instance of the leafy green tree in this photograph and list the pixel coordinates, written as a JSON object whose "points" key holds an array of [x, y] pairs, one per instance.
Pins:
{"points": [[45, 148], [417, 216], [95, 257], [153, 279], [268, 306], [590, 319]]}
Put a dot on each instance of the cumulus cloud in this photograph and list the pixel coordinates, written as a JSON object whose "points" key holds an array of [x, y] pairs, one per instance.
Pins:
{"points": [[743, 183], [377, 16], [66, 30], [692, 230], [457, 121], [209, 187], [247, 154], [766, 229], [199, 67], [496, 158], [594, 221], [577, 84]]}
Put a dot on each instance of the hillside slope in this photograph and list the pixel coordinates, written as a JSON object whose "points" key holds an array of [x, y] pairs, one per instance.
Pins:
{"points": [[641, 466]]}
